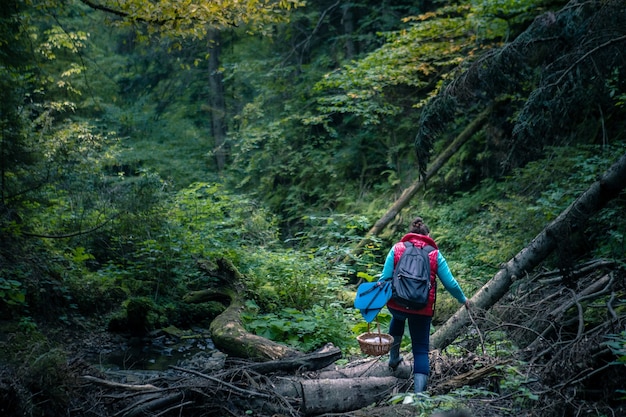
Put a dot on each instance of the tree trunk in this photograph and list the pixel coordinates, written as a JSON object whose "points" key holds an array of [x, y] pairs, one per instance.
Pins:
{"points": [[373, 367], [410, 192], [347, 18], [574, 217], [318, 396], [232, 338], [306, 362], [227, 330], [216, 97]]}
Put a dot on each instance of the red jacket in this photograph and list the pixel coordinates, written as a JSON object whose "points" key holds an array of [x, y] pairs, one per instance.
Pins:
{"points": [[419, 241]]}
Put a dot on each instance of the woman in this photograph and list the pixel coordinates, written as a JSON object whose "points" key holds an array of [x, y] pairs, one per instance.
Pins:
{"points": [[419, 320]]}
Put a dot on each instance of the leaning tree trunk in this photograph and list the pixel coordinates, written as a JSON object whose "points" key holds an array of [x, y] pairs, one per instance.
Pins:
{"points": [[577, 214], [409, 193]]}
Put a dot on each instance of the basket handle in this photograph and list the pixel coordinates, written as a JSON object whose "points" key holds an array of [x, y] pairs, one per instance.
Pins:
{"points": [[380, 336]]}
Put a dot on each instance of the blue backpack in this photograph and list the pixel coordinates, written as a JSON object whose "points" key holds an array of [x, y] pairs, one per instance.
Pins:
{"points": [[411, 277]]}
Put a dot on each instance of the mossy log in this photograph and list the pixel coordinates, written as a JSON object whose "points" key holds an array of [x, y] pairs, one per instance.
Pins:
{"points": [[231, 337], [227, 329]]}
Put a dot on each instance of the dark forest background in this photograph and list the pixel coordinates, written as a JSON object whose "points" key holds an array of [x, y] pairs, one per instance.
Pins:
{"points": [[140, 141]]}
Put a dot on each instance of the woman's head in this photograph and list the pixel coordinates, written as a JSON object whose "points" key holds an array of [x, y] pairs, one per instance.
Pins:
{"points": [[418, 226]]}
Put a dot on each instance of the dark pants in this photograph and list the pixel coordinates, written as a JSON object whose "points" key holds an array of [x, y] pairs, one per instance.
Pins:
{"points": [[419, 330]]}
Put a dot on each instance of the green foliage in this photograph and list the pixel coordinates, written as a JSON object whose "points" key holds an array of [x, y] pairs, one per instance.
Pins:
{"points": [[45, 374], [332, 235], [515, 383], [36, 371], [616, 88], [352, 126], [289, 164], [285, 150], [215, 221], [297, 299], [509, 382], [479, 229], [192, 19], [617, 344], [290, 279], [105, 147], [304, 329], [11, 292], [426, 405], [415, 57]]}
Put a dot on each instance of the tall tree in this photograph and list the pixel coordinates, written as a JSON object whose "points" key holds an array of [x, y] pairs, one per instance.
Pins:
{"points": [[199, 20], [216, 97], [11, 66]]}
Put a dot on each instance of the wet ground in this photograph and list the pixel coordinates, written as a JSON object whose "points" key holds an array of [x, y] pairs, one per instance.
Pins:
{"points": [[192, 349]]}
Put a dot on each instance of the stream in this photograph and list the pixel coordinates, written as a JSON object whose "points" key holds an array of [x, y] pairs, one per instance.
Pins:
{"points": [[193, 349]]}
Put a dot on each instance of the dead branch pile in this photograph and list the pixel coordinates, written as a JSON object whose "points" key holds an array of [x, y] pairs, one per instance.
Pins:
{"points": [[302, 385], [559, 320]]}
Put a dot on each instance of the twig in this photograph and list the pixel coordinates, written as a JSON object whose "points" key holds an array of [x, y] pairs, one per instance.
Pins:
{"points": [[609, 306], [586, 55], [167, 410], [135, 405], [145, 387], [482, 341], [589, 375], [219, 381], [581, 318]]}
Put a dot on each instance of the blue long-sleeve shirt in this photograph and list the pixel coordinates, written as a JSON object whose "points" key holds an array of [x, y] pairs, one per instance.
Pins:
{"points": [[443, 272]]}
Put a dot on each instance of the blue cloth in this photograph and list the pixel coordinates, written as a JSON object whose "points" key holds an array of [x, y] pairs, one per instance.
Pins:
{"points": [[371, 297]]}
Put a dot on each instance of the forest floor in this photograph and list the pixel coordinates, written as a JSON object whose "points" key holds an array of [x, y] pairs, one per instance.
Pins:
{"points": [[474, 386], [554, 348]]}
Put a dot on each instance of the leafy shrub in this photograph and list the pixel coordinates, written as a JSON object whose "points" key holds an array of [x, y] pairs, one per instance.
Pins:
{"points": [[36, 372], [290, 279], [11, 293], [303, 329], [296, 299], [213, 221], [139, 316]]}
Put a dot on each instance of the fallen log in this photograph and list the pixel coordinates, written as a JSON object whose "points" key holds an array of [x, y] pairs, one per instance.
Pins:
{"points": [[375, 367], [227, 330], [231, 337], [306, 362], [579, 212], [235, 390], [319, 396]]}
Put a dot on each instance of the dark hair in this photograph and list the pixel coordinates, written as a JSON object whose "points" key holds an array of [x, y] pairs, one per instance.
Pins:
{"points": [[418, 226]]}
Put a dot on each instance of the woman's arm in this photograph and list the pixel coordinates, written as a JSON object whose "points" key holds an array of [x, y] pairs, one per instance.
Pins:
{"points": [[388, 267], [447, 279]]}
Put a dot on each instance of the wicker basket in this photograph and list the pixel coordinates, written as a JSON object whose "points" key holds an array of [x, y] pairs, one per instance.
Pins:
{"points": [[375, 344]]}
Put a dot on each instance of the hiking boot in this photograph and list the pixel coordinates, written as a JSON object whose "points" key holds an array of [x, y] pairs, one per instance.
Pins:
{"points": [[394, 353], [419, 382]]}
